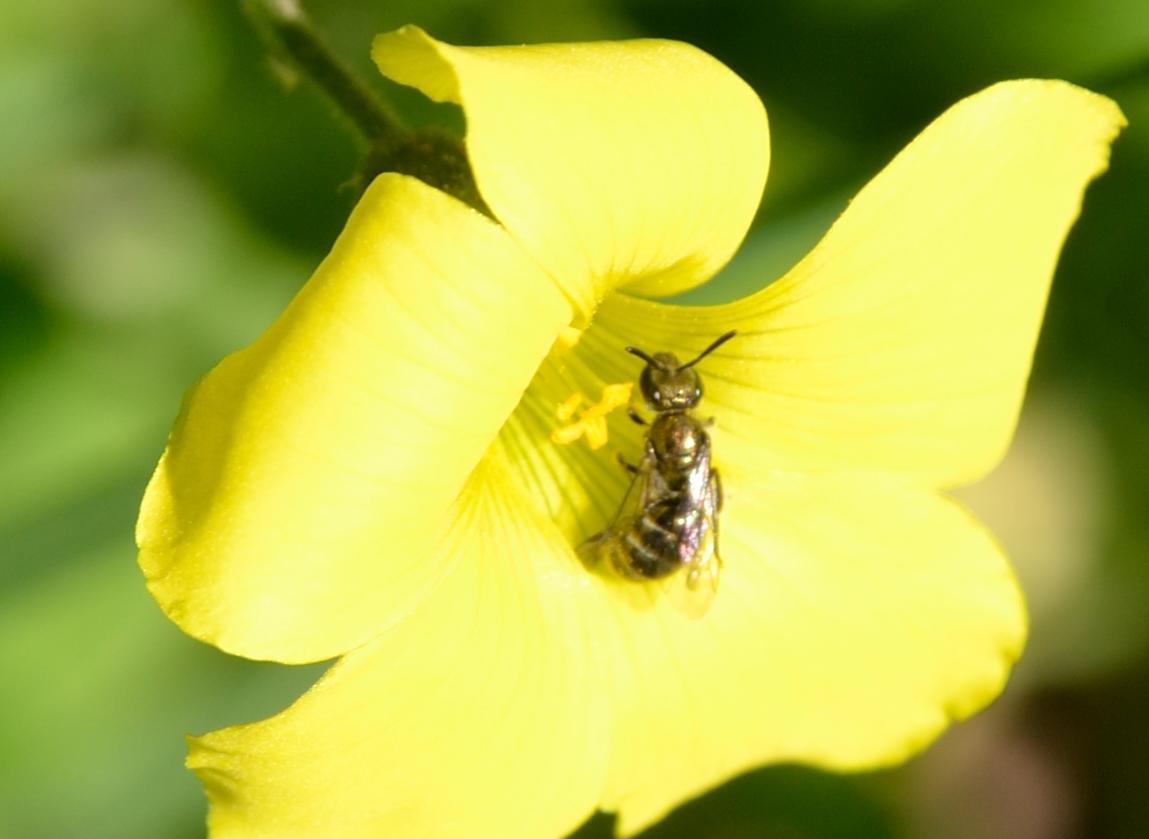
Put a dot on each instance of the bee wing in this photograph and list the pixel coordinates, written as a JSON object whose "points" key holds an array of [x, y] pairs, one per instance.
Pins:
{"points": [[698, 482], [634, 500], [646, 485], [654, 486], [698, 507], [692, 590]]}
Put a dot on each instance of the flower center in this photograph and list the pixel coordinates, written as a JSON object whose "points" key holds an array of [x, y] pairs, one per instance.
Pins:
{"points": [[591, 420], [564, 439]]}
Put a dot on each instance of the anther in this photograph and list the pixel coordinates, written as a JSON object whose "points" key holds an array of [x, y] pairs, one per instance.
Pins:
{"points": [[591, 421]]}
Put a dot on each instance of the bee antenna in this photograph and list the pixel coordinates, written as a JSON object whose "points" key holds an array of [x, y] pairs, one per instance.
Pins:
{"points": [[643, 356], [717, 343]]}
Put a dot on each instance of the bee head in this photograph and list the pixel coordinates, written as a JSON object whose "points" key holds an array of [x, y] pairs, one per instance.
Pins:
{"points": [[667, 385]]}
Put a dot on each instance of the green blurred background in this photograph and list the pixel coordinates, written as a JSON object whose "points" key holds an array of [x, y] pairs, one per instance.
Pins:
{"points": [[162, 196]]}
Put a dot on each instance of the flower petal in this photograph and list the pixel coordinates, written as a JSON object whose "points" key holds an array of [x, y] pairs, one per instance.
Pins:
{"points": [[856, 617], [477, 716], [291, 514], [903, 341], [637, 163]]}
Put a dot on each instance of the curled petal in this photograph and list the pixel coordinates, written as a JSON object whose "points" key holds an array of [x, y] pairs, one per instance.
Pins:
{"points": [[478, 716], [292, 514], [637, 163], [903, 341]]}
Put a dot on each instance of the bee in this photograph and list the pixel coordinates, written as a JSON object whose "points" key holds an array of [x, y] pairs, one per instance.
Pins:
{"points": [[668, 520]]}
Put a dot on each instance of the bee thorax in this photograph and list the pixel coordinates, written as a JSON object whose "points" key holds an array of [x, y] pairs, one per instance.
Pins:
{"points": [[677, 440]]}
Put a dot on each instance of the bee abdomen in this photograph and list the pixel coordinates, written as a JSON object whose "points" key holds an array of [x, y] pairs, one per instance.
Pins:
{"points": [[651, 542]]}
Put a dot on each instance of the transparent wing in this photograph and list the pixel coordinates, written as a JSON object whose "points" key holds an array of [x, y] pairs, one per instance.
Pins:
{"points": [[691, 590], [700, 490], [643, 486]]}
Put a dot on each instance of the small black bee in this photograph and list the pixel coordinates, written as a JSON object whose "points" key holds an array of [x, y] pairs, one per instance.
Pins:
{"points": [[672, 522]]}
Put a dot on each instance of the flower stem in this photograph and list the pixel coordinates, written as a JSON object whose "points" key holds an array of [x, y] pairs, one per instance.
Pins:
{"points": [[432, 155], [286, 26]]}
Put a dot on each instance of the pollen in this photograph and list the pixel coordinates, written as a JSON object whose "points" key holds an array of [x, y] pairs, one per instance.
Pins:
{"points": [[591, 420]]}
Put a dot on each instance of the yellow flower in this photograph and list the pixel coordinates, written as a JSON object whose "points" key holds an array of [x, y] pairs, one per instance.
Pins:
{"points": [[375, 477]]}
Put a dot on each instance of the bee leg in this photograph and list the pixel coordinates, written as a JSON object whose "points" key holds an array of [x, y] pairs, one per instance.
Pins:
{"points": [[629, 467], [635, 417], [709, 423], [589, 541]]}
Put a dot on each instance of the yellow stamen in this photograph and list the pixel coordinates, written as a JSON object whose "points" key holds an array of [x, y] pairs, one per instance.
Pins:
{"points": [[567, 434], [567, 409], [614, 396], [596, 432], [592, 420]]}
